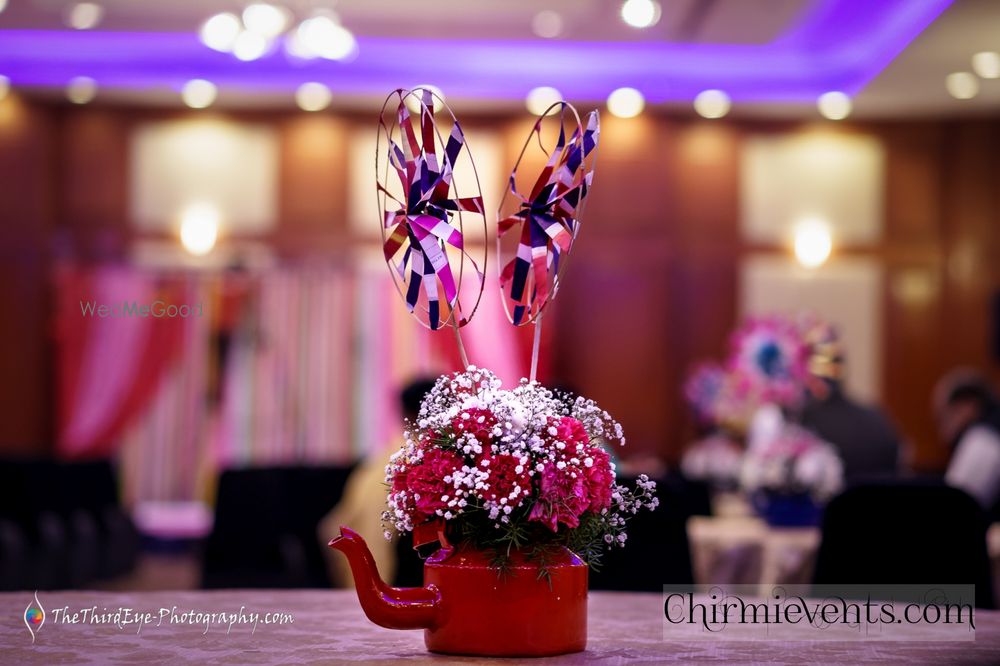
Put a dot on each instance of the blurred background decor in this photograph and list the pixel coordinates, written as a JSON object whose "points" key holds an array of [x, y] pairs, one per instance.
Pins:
{"points": [[758, 159]]}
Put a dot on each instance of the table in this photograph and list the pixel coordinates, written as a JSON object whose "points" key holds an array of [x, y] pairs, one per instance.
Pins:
{"points": [[745, 550], [328, 627], [740, 548]]}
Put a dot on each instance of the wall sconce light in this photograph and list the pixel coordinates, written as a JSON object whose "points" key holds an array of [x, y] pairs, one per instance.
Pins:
{"points": [[813, 242], [200, 228]]}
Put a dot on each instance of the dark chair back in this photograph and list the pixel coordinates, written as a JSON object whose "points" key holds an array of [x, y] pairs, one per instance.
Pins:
{"points": [[66, 519], [264, 533], [656, 553], [905, 533]]}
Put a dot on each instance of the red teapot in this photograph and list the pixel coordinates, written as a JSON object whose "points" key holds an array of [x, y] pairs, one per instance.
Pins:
{"points": [[468, 607]]}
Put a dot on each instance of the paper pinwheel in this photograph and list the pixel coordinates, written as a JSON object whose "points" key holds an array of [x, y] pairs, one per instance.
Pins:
{"points": [[547, 219], [421, 210]]}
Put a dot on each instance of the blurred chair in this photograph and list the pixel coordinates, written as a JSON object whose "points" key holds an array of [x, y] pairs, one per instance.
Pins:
{"points": [[264, 533], [905, 533], [657, 552], [694, 495], [14, 556], [65, 521]]}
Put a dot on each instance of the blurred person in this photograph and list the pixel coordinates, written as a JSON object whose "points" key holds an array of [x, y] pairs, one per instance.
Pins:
{"points": [[866, 440], [968, 416], [363, 501]]}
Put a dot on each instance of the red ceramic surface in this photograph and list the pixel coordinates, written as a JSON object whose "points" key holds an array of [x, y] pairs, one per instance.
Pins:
{"points": [[465, 607]]}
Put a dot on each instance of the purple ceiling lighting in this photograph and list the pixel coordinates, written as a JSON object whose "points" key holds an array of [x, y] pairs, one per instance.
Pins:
{"points": [[836, 45]]}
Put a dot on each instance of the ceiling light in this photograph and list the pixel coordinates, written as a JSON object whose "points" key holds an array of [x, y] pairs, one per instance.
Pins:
{"points": [[414, 99], [834, 105], [3, 5], [712, 104], [540, 100], [81, 89], [313, 96], [220, 32], [321, 36], [266, 20], [84, 15], [962, 85], [987, 64], [4, 83], [250, 46], [626, 102], [200, 228], [641, 13], [199, 93], [547, 24], [813, 243]]}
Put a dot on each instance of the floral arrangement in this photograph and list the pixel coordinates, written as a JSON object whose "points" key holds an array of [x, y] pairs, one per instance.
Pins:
{"points": [[716, 458], [703, 388], [794, 461], [772, 355], [770, 361], [721, 396], [519, 469]]}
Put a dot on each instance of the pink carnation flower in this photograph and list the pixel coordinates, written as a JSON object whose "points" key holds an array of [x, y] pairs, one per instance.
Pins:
{"points": [[476, 422], [426, 481], [562, 497], [569, 430], [600, 480], [504, 478]]}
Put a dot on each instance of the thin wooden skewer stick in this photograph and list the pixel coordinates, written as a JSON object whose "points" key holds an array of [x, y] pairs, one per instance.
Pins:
{"points": [[535, 345], [458, 337]]}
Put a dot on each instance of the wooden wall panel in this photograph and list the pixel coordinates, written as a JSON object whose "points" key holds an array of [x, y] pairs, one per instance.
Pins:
{"points": [[313, 175], [942, 218], [911, 355], [614, 291], [914, 182], [92, 181], [972, 221], [26, 212], [632, 180], [705, 247]]}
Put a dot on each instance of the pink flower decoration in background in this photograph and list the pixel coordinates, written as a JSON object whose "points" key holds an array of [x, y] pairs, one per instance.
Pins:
{"points": [[703, 388], [770, 353], [795, 460]]}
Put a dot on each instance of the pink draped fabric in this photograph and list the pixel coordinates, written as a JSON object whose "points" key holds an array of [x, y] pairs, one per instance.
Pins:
{"points": [[108, 367], [164, 453], [315, 360], [286, 395]]}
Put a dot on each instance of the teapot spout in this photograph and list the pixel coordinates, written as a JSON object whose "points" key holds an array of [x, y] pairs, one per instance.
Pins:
{"points": [[391, 607]]}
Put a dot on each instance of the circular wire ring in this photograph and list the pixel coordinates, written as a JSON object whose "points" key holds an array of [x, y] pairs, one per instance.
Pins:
{"points": [[425, 252], [547, 219]]}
